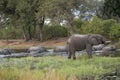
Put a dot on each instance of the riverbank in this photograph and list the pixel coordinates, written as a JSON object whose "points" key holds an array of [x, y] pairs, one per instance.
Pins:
{"points": [[60, 68], [23, 45]]}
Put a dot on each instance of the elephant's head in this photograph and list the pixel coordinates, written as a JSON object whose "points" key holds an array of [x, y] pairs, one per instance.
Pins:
{"points": [[95, 39]]}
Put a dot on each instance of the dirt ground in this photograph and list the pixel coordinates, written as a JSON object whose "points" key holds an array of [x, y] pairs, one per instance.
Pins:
{"points": [[22, 44]]}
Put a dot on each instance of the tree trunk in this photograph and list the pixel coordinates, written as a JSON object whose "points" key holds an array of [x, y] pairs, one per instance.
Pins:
{"points": [[29, 33], [41, 34], [24, 34], [34, 33], [70, 25], [41, 24]]}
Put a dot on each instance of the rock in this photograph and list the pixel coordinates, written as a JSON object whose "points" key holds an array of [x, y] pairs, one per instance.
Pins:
{"points": [[5, 51], [98, 47], [60, 49], [37, 49], [107, 50], [16, 55]]}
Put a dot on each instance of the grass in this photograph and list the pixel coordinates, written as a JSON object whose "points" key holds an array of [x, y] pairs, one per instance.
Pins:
{"points": [[57, 68]]}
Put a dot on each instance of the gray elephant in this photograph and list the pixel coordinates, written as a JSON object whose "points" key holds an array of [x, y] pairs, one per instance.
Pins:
{"points": [[81, 42]]}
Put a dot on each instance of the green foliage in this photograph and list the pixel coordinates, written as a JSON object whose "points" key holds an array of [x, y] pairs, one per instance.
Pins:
{"points": [[77, 23], [109, 28], [94, 26], [11, 32], [107, 25], [29, 13], [54, 32], [57, 68], [117, 44], [111, 9], [115, 32]]}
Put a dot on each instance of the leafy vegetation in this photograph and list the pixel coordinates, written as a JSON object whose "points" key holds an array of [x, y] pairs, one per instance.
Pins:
{"points": [[26, 19], [109, 28], [54, 32], [56, 68], [28, 14], [111, 9], [49, 32]]}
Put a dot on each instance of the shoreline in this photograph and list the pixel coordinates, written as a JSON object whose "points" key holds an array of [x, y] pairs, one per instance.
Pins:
{"points": [[21, 44]]}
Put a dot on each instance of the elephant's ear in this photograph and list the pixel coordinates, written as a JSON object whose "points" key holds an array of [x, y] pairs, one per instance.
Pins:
{"points": [[92, 40]]}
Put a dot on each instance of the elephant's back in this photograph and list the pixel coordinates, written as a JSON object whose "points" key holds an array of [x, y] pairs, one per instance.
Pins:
{"points": [[78, 37], [78, 41]]}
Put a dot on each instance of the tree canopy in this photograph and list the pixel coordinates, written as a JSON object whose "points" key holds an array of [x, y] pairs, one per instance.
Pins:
{"points": [[30, 15], [111, 9]]}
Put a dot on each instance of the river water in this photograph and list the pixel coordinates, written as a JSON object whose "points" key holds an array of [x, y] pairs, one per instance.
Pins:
{"points": [[50, 52]]}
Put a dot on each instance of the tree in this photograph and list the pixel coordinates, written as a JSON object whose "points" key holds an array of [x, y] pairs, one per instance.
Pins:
{"points": [[111, 9], [26, 10], [58, 10], [20, 13], [27, 14]]}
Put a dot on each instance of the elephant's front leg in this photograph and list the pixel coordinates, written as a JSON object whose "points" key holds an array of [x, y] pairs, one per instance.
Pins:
{"points": [[69, 54], [89, 50]]}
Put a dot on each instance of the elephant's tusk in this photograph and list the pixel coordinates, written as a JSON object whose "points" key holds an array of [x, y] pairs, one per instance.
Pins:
{"points": [[107, 42]]}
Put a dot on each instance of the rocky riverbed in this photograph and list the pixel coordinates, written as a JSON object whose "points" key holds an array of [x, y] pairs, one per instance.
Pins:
{"points": [[50, 52]]}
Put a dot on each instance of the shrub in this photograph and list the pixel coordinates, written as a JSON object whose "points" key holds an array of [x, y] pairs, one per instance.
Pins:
{"points": [[94, 26], [11, 32], [108, 28], [107, 24], [77, 23], [54, 31], [115, 32]]}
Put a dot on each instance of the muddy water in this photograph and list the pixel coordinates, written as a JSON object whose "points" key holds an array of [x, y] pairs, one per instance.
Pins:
{"points": [[50, 52]]}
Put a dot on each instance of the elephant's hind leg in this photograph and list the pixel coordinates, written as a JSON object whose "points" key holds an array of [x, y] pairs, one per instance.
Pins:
{"points": [[69, 55], [73, 53]]}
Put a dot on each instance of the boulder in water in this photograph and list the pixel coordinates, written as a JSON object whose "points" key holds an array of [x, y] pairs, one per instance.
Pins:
{"points": [[61, 49], [37, 49], [5, 51], [98, 47]]}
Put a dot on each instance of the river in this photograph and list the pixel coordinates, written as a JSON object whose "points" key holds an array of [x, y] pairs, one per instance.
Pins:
{"points": [[50, 52]]}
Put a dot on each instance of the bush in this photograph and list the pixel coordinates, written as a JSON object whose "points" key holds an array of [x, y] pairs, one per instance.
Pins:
{"points": [[77, 23], [11, 32], [115, 32], [94, 26], [54, 32], [107, 25], [108, 28]]}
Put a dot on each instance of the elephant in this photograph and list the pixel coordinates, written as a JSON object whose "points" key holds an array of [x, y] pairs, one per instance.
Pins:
{"points": [[84, 41]]}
